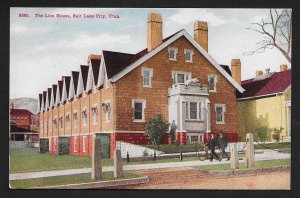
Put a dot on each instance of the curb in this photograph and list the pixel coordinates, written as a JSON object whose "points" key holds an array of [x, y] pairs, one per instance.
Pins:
{"points": [[246, 171], [101, 184]]}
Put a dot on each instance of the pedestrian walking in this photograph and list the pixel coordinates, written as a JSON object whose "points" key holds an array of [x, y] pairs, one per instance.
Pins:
{"points": [[223, 144], [212, 147]]}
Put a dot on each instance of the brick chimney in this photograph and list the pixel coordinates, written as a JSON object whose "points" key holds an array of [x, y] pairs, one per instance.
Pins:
{"points": [[154, 31], [283, 67], [93, 57], [236, 70], [258, 73], [201, 34]]}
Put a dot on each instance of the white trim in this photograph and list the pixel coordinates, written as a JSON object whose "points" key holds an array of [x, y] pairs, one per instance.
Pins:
{"points": [[287, 89], [57, 101], [101, 72], [191, 52], [150, 70], [89, 79], [143, 101], [84, 144], [168, 42], [223, 113], [273, 94], [175, 53], [75, 144]]}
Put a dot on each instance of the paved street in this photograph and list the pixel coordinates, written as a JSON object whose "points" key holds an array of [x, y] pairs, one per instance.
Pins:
{"points": [[267, 155]]}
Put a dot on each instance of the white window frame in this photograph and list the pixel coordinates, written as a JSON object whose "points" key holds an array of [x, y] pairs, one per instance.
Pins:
{"points": [[223, 106], [107, 110], [143, 101], [191, 57], [84, 143], [215, 82], [175, 53], [95, 114], [75, 119], [75, 144], [187, 76], [188, 109], [68, 122], [150, 70], [84, 119], [106, 82]]}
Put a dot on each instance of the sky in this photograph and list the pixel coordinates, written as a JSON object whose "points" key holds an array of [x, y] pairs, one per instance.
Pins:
{"points": [[42, 49]]}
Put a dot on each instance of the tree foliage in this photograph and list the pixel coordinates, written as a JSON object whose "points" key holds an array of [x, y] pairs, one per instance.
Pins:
{"points": [[173, 128], [276, 32], [262, 133], [156, 127]]}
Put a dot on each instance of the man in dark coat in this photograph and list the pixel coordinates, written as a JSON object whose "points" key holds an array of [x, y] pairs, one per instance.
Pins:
{"points": [[212, 145], [223, 144]]}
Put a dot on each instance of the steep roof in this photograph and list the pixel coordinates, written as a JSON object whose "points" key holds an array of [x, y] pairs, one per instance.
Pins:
{"points": [[20, 112], [67, 80], [44, 98], [54, 90], [276, 83], [84, 73], [95, 66], [40, 101], [227, 69], [75, 76], [60, 87], [49, 95]]}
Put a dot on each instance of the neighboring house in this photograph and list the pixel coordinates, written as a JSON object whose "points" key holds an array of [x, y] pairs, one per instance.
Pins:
{"points": [[21, 116], [266, 102], [115, 94]]}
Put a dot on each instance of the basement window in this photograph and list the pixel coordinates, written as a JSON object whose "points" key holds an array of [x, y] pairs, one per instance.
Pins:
{"points": [[220, 110], [172, 53], [138, 106]]}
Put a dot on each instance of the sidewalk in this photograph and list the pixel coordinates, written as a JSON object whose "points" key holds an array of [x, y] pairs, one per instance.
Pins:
{"points": [[267, 155]]}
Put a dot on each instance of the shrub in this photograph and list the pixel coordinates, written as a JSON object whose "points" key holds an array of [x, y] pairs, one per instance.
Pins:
{"points": [[262, 133], [276, 133], [172, 131], [156, 127]]}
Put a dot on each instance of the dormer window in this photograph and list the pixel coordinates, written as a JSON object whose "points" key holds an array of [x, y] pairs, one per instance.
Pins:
{"points": [[188, 54], [172, 53], [212, 81], [181, 77]]}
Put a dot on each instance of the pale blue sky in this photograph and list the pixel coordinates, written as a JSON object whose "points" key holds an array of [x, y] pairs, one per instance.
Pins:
{"points": [[44, 49]]}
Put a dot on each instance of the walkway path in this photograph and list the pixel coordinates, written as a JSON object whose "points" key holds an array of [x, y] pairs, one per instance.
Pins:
{"points": [[266, 155]]}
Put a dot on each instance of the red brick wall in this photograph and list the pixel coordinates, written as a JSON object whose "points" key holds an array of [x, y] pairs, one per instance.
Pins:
{"points": [[156, 97]]}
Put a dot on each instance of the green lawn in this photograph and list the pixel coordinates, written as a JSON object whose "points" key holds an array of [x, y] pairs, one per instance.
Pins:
{"points": [[168, 148], [68, 179], [258, 164], [29, 160]]}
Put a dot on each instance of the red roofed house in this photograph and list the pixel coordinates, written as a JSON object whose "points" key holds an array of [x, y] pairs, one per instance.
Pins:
{"points": [[116, 93], [266, 102], [21, 116]]}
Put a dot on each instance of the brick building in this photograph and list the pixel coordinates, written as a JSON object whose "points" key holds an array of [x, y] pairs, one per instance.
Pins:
{"points": [[115, 94], [21, 116]]}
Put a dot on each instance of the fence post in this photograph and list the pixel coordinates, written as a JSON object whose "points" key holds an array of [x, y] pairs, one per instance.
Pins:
{"points": [[118, 164], [127, 157], [96, 160], [234, 156], [249, 158]]}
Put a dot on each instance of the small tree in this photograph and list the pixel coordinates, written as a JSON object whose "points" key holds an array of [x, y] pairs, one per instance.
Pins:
{"points": [[276, 133], [172, 131], [156, 127], [262, 133]]}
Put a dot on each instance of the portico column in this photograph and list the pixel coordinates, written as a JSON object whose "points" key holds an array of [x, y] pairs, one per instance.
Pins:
{"points": [[180, 114], [207, 115]]}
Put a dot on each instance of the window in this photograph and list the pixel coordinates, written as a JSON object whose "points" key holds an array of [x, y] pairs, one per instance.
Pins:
{"points": [[138, 110], [95, 114], [188, 54], [75, 118], [84, 143], [212, 81], [50, 124], [193, 110], [55, 123], [172, 53], [194, 139], [220, 109], [180, 77], [75, 144], [106, 109], [68, 121], [61, 122], [147, 74], [50, 144], [84, 116]]}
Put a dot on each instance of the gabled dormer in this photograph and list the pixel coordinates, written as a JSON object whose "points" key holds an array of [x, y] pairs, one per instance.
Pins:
{"points": [[66, 88], [53, 96], [82, 81], [44, 101], [94, 66], [59, 92], [73, 85], [48, 98]]}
